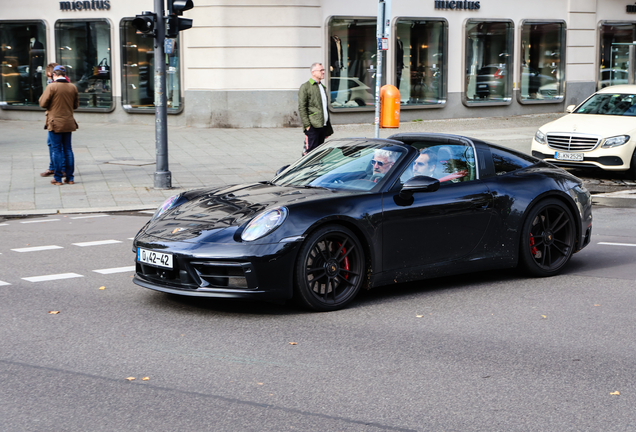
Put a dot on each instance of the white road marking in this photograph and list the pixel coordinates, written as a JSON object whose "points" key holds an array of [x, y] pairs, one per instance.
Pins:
{"points": [[148, 212], [37, 248], [97, 243], [131, 238], [116, 270], [41, 220], [52, 277], [2, 283], [617, 244], [89, 217], [4, 224]]}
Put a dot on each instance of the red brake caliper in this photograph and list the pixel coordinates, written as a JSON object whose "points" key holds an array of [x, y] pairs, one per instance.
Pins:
{"points": [[532, 248], [346, 261]]}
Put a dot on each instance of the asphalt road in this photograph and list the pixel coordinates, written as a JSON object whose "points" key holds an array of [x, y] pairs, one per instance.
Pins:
{"points": [[483, 352]]}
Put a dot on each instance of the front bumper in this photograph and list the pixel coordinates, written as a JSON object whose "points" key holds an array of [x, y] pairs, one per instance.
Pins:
{"points": [[610, 159], [259, 272]]}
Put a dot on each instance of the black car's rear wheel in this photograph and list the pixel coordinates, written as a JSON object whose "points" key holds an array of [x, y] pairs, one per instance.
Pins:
{"points": [[548, 238], [330, 269]]}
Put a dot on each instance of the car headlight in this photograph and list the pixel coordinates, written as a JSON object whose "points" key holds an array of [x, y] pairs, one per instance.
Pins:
{"points": [[264, 223], [615, 141], [539, 137], [167, 205]]}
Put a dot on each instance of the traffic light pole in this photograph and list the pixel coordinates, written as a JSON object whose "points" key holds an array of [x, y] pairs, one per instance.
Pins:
{"points": [[163, 177]]}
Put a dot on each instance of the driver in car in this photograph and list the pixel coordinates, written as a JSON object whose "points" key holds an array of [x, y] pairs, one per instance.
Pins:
{"points": [[382, 162], [425, 163]]}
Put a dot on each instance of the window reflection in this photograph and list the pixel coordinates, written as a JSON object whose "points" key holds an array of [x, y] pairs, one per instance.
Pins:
{"points": [[83, 47], [22, 62], [352, 62], [616, 49], [542, 71], [488, 61], [138, 65], [419, 61]]}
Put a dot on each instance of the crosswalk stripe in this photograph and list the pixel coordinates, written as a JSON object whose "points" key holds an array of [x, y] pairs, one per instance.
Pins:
{"points": [[89, 217], [617, 244], [3, 283], [97, 243], [116, 270], [41, 220], [4, 224], [52, 277], [37, 248]]}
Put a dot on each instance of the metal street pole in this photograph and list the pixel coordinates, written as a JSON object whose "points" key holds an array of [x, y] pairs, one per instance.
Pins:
{"points": [[163, 177], [378, 72]]}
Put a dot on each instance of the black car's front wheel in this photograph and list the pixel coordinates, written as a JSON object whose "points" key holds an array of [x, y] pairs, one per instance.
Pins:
{"points": [[330, 269], [548, 238]]}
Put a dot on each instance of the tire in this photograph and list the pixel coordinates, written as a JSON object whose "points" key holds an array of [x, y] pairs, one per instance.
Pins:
{"points": [[329, 270], [631, 172], [547, 239]]}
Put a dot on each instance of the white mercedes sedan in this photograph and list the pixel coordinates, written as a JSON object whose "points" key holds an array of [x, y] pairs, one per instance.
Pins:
{"points": [[599, 133]]}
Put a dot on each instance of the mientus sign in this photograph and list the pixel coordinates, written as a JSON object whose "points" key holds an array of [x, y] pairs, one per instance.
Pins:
{"points": [[85, 5], [457, 5]]}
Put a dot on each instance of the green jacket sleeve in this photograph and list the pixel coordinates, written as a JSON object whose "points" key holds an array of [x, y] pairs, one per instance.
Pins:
{"points": [[303, 105]]}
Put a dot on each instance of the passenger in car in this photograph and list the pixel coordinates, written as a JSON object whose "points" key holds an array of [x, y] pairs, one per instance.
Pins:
{"points": [[425, 163]]}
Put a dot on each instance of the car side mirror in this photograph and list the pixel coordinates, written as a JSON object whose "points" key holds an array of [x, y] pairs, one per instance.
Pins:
{"points": [[280, 170], [570, 108], [418, 184]]}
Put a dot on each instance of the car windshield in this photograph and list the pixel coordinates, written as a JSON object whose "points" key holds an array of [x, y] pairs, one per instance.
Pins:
{"points": [[344, 165], [609, 104]]}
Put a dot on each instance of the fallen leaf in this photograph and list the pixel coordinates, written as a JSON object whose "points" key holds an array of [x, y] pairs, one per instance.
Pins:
{"points": [[130, 378], [597, 305], [54, 312], [293, 343], [145, 379], [544, 316], [616, 393], [419, 316], [259, 383], [102, 287]]}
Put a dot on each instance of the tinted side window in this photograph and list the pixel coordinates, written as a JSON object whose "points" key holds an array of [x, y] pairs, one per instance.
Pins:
{"points": [[507, 162]]}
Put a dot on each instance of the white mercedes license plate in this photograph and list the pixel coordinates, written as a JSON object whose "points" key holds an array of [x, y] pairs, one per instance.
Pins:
{"points": [[568, 156], [154, 258]]}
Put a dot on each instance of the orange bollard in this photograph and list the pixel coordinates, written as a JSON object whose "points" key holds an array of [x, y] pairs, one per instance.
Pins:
{"points": [[389, 107]]}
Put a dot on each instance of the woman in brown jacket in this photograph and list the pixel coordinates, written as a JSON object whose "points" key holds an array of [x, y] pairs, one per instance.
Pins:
{"points": [[61, 98]]}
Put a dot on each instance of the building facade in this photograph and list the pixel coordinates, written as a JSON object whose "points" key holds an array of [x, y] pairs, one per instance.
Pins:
{"points": [[242, 62]]}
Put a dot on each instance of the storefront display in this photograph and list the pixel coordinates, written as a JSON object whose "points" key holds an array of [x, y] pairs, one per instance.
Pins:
{"points": [[542, 68], [138, 64], [616, 53], [420, 61], [84, 48], [23, 58], [352, 62], [488, 61]]}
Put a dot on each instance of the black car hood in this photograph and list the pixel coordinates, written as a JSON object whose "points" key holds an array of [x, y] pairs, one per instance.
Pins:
{"points": [[207, 213]]}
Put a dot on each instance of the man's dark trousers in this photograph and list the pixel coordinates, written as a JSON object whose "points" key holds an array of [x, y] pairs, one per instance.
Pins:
{"points": [[315, 137]]}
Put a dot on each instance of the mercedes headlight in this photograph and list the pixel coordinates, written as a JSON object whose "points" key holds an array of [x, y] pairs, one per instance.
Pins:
{"points": [[540, 137], [264, 223], [167, 205], [615, 141]]}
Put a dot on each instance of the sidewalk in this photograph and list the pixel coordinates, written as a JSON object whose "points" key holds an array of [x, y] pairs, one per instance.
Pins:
{"points": [[115, 163]]}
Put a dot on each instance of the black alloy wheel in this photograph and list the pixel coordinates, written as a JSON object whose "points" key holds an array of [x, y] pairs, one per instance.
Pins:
{"points": [[330, 269], [548, 238]]}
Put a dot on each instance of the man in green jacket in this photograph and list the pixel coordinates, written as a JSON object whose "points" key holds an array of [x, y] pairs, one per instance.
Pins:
{"points": [[312, 107]]}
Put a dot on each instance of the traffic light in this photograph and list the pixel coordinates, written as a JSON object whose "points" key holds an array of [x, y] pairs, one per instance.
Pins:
{"points": [[145, 23], [174, 22]]}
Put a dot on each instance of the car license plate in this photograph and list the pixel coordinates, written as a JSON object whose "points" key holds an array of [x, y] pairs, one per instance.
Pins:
{"points": [[154, 258], [568, 156], [482, 85]]}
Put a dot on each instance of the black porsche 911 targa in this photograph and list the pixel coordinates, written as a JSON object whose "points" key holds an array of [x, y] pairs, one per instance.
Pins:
{"points": [[358, 213]]}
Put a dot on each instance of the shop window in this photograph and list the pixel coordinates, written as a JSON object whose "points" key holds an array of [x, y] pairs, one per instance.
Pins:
{"points": [[22, 62], [83, 47], [352, 62], [420, 61], [616, 54], [138, 71], [488, 62], [542, 76]]}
